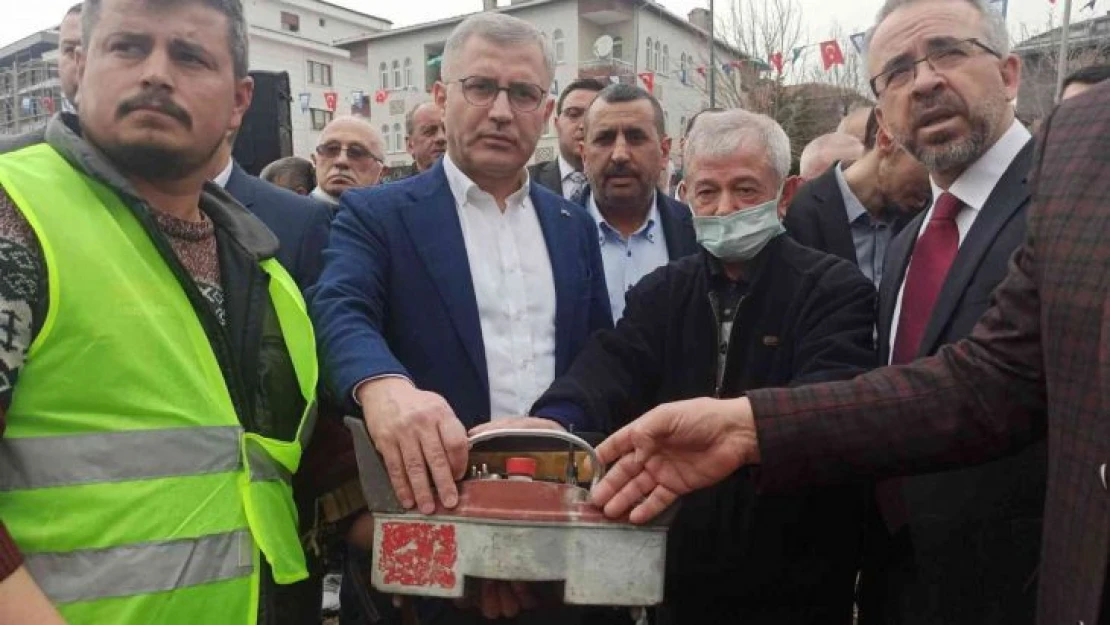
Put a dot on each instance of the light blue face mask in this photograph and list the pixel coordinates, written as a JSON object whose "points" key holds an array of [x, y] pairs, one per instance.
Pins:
{"points": [[739, 236]]}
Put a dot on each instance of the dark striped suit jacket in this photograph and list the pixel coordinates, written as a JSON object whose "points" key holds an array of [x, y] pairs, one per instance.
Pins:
{"points": [[1037, 362]]}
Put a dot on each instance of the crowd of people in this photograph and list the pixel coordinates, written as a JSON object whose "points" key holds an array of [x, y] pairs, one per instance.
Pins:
{"points": [[182, 338]]}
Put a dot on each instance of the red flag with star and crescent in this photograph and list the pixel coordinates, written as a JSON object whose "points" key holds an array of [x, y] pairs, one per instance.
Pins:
{"points": [[776, 60], [331, 100], [831, 54], [648, 78]]}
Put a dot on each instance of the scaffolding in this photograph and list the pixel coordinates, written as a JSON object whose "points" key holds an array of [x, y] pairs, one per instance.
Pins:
{"points": [[30, 91]]}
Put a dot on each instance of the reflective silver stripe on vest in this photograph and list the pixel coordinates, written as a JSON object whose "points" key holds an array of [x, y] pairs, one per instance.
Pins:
{"points": [[141, 569], [42, 462], [263, 468]]}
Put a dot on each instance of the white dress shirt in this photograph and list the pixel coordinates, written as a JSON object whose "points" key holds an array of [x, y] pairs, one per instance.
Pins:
{"points": [[225, 175], [514, 289], [972, 188]]}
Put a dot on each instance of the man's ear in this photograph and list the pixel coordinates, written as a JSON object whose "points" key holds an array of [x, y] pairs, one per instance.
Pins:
{"points": [[884, 143], [666, 146], [680, 191]]}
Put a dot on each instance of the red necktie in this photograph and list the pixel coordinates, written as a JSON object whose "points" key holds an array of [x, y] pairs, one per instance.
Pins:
{"points": [[932, 257]]}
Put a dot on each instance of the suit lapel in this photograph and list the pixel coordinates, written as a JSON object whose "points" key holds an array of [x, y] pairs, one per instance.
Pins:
{"points": [[435, 230], [834, 216], [1008, 196], [562, 250], [238, 186], [894, 272], [678, 227], [550, 177]]}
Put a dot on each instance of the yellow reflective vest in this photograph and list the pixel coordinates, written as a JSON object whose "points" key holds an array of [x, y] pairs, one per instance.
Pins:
{"points": [[126, 477]]}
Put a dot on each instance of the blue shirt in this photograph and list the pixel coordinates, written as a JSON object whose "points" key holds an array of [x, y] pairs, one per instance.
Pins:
{"points": [[871, 235], [628, 260]]}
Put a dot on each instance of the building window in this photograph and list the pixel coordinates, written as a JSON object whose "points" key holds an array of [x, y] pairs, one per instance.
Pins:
{"points": [[384, 69], [658, 58], [618, 47], [648, 61], [396, 74], [290, 22], [386, 136], [408, 73], [398, 139], [320, 118], [560, 45], [682, 127], [323, 23], [666, 60], [319, 73]]}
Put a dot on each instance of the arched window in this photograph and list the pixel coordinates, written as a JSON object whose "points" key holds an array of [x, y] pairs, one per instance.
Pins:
{"points": [[560, 44], [385, 136], [666, 60], [396, 74], [385, 75], [618, 47], [408, 73], [398, 138], [682, 126], [658, 57], [650, 63]]}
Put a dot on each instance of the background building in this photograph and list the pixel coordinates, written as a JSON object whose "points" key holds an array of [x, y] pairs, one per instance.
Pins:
{"points": [[619, 40], [29, 88], [1088, 44], [298, 37]]}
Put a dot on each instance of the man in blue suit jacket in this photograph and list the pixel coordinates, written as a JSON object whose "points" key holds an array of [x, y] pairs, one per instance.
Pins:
{"points": [[301, 224], [457, 295]]}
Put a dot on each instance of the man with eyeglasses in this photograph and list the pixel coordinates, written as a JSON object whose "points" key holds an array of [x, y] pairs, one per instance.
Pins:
{"points": [[565, 174], [456, 296], [959, 546], [349, 155]]}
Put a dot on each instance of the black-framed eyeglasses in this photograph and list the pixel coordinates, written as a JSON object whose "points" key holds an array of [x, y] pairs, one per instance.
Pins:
{"points": [[355, 152], [482, 91], [944, 57]]}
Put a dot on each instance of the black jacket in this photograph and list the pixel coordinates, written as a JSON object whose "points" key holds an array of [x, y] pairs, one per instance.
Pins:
{"points": [[817, 217], [735, 556], [547, 174]]}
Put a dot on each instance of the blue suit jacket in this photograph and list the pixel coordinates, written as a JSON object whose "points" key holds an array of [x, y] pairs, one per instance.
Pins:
{"points": [[396, 295], [300, 223]]}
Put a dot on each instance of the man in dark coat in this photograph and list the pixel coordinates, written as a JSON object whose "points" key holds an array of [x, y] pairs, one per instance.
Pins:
{"points": [[752, 309]]}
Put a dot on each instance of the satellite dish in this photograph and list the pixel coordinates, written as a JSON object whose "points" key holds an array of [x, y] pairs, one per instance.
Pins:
{"points": [[603, 46]]}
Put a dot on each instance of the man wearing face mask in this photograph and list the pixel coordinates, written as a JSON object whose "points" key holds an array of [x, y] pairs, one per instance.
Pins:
{"points": [[773, 313]]}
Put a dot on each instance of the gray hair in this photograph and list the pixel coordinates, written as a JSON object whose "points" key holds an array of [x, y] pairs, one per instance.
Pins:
{"points": [[499, 29], [232, 9], [721, 133], [294, 170], [825, 150], [995, 34]]}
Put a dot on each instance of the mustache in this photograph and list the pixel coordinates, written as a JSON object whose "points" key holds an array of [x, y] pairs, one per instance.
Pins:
{"points": [[934, 106], [619, 169], [155, 102]]}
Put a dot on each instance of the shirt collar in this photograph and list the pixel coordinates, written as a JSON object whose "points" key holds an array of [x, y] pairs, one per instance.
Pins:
{"points": [[976, 184], [465, 190], [225, 175], [320, 194], [565, 168], [644, 229], [852, 205]]}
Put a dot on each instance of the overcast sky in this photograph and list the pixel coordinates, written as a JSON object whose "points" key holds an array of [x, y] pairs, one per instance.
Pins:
{"points": [[819, 15]]}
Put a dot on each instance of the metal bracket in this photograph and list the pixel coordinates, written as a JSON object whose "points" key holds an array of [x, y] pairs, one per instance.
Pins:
{"points": [[376, 487]]}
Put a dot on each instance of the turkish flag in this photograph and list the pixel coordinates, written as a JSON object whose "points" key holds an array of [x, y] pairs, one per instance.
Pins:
{"points": [[380, 96], [331, 99], [649, 81], [776, 60], [831, 54]]}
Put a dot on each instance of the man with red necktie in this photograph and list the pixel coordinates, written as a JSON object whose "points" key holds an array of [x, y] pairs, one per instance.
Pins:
{"points": [[971, 535]]}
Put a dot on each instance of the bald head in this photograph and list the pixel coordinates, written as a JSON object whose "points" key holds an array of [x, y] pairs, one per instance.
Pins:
{"points": [[825, 150], [854, 123], [350, 154]]}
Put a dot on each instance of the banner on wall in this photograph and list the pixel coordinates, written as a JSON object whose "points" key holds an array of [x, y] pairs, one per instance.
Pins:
{"points": [[305, 100], [331, 100]]}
